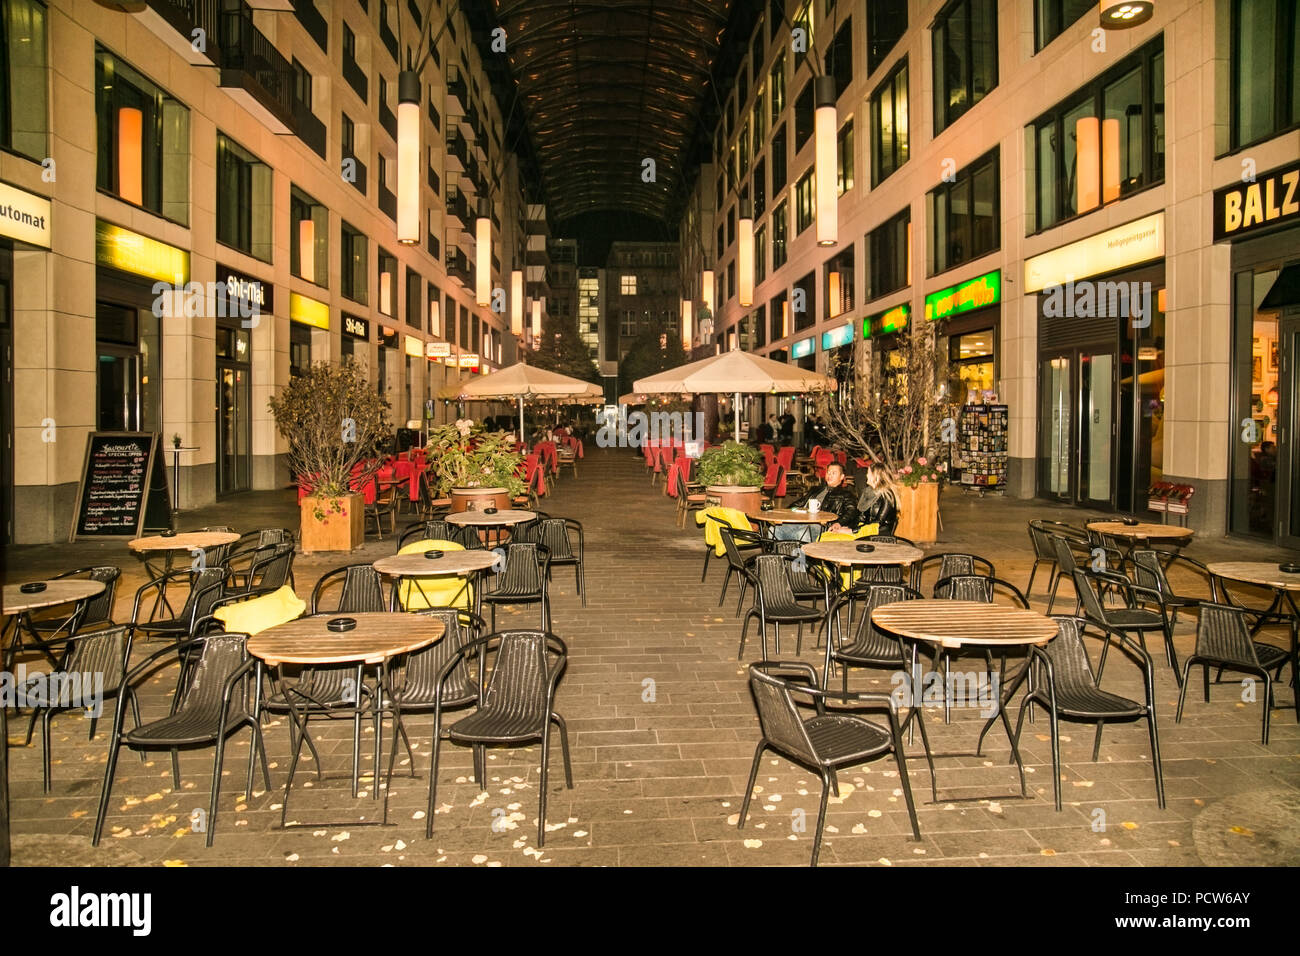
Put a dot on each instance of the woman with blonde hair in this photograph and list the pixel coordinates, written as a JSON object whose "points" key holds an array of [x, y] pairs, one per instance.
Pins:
{"points": [[878, 503]]}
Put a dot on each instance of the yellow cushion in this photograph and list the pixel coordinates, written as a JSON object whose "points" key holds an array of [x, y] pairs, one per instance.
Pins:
{"points": [[732, 516], [257, 614], [440, 590], [865, 531]]}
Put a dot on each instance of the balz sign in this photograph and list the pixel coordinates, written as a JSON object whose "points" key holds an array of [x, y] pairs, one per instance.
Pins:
{"points": [[1273, 198], [123, 487]]}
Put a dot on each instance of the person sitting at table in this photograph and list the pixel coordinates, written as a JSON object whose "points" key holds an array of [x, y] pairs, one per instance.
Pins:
{"points": [[831, 495], [878, 503]]}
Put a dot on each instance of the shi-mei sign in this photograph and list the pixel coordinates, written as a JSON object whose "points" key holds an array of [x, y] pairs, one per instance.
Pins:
{"points": [[1271, 200], [356, 327], [24, 216], [256, 295]]}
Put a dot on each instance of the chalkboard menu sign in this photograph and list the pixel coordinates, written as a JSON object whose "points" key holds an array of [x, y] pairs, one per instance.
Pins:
{"points": [[123, 488]]}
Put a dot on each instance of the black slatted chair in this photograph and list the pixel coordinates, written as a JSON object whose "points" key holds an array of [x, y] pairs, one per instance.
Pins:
{"points": [[1062, 682], [557, 535], [361, 591], [47, 634], [745, 547], [515, 705], [435, 529], [950, 564], [250, 547], [883, 573], [984, 590], [774, 602], [219, 553], [689, 498], [522, 581], [1132, 618], [214, 705], [1150, 573], [91, 672], [206, 587], [825, 741], [270, 570], [1040, 536], [1223, 640], [1115, 547], [739, 550], [808, 582], [1066, 565], [864, 644]]}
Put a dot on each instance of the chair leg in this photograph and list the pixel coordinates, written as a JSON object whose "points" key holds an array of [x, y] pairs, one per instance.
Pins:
{"points": [[1096, 741], [1029, 588], [907, 786], [725, 581], [216, 787], [1056, 756], [1182, 691], [1051, 599], [433, 782], [821, 818], [1155, 756], [110, 768], [929, 755], [1268, 700], [176, 768], [564, 749], [46, 716], [541, 800], [708, 553], [749, 787]]}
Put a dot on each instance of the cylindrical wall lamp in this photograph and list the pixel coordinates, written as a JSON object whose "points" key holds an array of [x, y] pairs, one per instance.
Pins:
{"points": [[386, 293], [1109, 160], [1087, 158], [825, 121], [130, 155], [408, 157], [706, 289], [483, 253], [537, 322], [745, 256], [307, 249], [517, 302], [688, 327]]}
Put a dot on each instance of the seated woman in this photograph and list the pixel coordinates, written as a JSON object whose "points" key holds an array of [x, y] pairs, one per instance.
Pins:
{"points": [[831, 495], [878, 503]]}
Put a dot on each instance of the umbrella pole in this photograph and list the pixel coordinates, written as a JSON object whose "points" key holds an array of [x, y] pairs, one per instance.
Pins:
{"points": [[521, 418], [735, 435]]}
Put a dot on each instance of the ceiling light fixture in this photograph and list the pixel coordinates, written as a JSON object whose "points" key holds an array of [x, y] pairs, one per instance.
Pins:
{"points": [[1125, 14]]}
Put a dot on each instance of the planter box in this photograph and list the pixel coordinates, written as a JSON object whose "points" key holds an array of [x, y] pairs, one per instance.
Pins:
{"points": [[477, 499], [918, 512], [746, 498], [335, 531]]}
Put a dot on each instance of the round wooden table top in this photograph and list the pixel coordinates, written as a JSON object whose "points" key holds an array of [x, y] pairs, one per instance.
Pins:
{"points": [[1252, 572], [184, 541], [790, 516], [378, 636], [56, 592], [451, 562], [958, 623], [508, 516], [846, 552], [1143, 529]]}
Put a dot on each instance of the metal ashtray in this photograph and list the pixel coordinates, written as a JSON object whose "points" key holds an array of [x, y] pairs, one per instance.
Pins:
{"points": [[489, 511], [34, 587], [1130, 522], [169, 533], [341, 624], [1290, 567], [866, 548], [433, 555]]}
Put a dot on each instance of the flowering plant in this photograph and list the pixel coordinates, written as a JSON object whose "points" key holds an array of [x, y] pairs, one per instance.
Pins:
{"points": [[464, 455], [922, 471]]}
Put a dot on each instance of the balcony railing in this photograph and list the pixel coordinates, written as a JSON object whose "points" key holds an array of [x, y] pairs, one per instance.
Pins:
{"points": [[456, 88], [308, 127], [356, 77], [186, 16], [250, 62], [434, 246], [457, 207], [390, 41], [312, 22], [435, 181], [457, 265]]}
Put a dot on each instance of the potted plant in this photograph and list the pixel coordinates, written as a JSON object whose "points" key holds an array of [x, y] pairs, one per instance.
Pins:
{"points": [[337, 428], [476, 469], [176, 440], [733, 476], [889, 410]]}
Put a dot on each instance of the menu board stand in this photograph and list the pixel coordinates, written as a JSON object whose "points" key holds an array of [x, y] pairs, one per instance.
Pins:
{"points": [[123, 489]]}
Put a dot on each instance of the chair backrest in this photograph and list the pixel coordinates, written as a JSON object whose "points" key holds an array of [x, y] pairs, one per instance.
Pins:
{"points": [[424, 666], [1064, 554], [362, 590], [774, 581], [679, 482], [870, 597], [98, 609], [523, 572], [778, 717], [728, 535], [274, 536], [221, 656], [101, 652], [554, 534], [785, 457], [1092, 606], [769, 476], [1071, 668], [218, 554], [888, 539], [1041, 539], [271, 566], [1222, 635], [1149, 572], [521, 672], [803, 580], [207, 587], [965, 587], [769, 455]]}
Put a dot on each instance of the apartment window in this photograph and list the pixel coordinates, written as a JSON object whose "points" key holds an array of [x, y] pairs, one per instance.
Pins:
{"points": [[839, 58], [889, 147], [805, 199], [627, 285], [1265, 84], [628, 326], [414, 299], [348, 136], [760, 255], [722, 240], [838, 288], [803, 117], [301, 84], [779, 317], [731, 169], [759, 120], [731, 225], [886, 24], [387, 118], [731, 116], [844, 164], [387, 283], [309, 254], [779, 171], [804, 21], [387, 181], [24, 108], [434, 116], [721, 192], [355, 263], [760, 188], [776, 82], [889, 255], [1117, 124], [143, 139], [731, 279], [1051, 17], [963, 215], [965, 58], [807, 315], [742, 89], [779, 228], [244, 201]]}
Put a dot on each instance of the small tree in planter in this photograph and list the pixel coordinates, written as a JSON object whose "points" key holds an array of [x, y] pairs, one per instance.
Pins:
{"points": [[889, 411], [733, 474], [335, 424], [469, 464]]}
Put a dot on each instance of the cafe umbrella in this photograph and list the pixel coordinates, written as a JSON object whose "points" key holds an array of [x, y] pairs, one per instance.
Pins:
{"points": [[527, 382]]}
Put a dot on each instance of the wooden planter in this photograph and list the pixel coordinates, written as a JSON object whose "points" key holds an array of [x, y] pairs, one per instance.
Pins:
{"points": [[342, 527], [746, 498], [918, 512], [478, 499]]}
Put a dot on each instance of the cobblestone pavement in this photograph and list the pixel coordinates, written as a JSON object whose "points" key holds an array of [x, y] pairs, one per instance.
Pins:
{"points": [[662, 732]]}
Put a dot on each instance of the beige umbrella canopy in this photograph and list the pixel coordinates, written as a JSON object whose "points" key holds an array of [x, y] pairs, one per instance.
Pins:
{"points": [[527, 381], [736, 372]]}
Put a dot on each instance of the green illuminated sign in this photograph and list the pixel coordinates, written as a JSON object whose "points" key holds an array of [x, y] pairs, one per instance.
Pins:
{"points": [[883, 323], [977, 293]]}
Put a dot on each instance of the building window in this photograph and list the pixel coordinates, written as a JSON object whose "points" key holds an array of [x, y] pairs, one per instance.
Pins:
{"points": [[1104, 142], [24, 108], [414, 299], [759, 115], [803, 117], [760, 255], [244, 202], [348, 136], [889, 256], [1265, 84], [804, 306], [965, 58], [844, 164], [355, 264], [839, 283], [760, 188], [839, 58], [963, 215], [731, 279], [387, 283], [722, 240], [779, 317], [309, 255], [628, 326], [804, 21], [301, 84], [805, 198], [889, 145], [776, 83], [143, 139], [731, 225], [886, 24], [779, 227], [627, 285], [299, 349], [742, 148], [1051, 17], [778, 160]]}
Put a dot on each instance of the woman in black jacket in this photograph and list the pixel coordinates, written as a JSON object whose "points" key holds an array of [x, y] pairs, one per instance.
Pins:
{"points": [[878, 503]]}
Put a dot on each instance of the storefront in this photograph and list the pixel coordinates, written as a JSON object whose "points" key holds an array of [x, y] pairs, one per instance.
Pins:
{"points": [[1262, 221], [248, 300], [969, 324], [1101, 361]]}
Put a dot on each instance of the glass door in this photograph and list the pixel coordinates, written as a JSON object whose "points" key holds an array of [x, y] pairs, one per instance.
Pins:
{"points": [[234, 428], [119, 389], [1056, 420], [1097, 427], [1288, 410], [1076, 462]]}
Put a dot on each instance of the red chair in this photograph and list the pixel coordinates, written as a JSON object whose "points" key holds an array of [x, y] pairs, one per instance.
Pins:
{"points": [[785, 457], [769, 455], [842, 458]]}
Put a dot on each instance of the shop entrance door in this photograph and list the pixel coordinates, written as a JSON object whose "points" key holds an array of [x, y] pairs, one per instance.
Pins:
{"points": [[1288, 410], [1077, 426], [234, 428], [119, 389]]}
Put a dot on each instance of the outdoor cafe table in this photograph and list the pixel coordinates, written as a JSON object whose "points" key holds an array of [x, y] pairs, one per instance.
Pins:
{"points": [[496, 523], [377, 638], [789, 516], [954, 625], [846, 553], [460, 563], [1142, 531], [189, 541], [1285, 586], [17, 606]]}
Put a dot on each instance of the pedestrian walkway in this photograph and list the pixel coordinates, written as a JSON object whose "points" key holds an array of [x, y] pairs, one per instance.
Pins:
{"points": [[663, 730]]}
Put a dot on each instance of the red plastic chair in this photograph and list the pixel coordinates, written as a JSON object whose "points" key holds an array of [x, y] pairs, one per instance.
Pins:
{"points": [[769, 455], [785, 457]]}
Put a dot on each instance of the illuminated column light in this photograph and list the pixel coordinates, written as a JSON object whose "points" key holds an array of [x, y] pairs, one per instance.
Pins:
{"points": [[688, 328], [517, 302], [745, 255], [386, 293], [1109, 160], [833, 281], [130, 155], [408, 157], [435, 318], [1088, 163], [483, 254], [307, 249], [537, 322], [785, 317], [825, 132], [706, 287]]}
